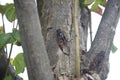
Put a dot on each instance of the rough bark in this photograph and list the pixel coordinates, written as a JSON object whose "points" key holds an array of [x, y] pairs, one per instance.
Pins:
{"points": [[35, 54], [58, 14], [103, 40]]}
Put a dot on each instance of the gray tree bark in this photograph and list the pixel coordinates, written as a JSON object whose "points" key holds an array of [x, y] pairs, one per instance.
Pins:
{"points": [[35, 54], [58, 14], [55, 15], [102, 43]]}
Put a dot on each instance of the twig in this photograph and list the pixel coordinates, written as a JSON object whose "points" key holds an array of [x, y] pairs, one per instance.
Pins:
{"points": [[8, 62], [90, 27], [77, 44]]}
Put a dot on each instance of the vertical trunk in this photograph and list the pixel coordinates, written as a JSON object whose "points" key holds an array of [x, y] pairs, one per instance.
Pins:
{"points": [[55, 15], [36, 58], [58, 14]]}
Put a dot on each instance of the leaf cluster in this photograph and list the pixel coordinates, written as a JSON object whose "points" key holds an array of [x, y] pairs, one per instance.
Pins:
{"points": [[6, 38], [18, 63], [13, 37], [95, 5], [9, 11]]}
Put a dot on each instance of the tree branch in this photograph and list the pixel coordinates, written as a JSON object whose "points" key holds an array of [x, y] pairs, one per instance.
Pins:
{"points": [[107, 26], [105, 34], [35, 54]]}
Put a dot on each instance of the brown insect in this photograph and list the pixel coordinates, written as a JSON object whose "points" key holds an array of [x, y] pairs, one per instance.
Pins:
{"points": [[61, 40]]}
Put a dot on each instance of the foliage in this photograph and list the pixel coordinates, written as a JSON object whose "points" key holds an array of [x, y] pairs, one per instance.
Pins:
{"points": [[9, 77], [114, 48], [88, 2], [19, 64], [11, 38], [95, 5], [9, 11], [96, 8], [6, 38], [1, 29]]}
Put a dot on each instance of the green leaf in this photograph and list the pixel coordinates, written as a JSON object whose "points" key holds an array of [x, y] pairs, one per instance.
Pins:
{"points": [[10, 12], [16, 35], [2, 9], [103, 3], [114, 48], [19, 63], [9, 77], [13, 37], [95, 5], [4, 39], [82, 3], [11, 61], [88, 2], [1, 29]]}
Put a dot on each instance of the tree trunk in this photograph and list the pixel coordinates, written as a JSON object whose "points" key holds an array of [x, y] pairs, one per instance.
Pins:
{"points": [[35, 54], [58, 14], [55, 15]]}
